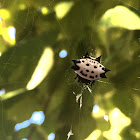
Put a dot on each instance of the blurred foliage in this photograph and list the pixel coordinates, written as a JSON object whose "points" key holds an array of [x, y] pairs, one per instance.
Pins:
{"points": [[109, 28]]}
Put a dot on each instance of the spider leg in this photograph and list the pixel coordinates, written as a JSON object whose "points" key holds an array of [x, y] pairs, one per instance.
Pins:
{"points": [[76, 76], [92, 83]]}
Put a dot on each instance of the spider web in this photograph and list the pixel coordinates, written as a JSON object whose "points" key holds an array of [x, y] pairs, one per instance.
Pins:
{"points": [[79, 94]]}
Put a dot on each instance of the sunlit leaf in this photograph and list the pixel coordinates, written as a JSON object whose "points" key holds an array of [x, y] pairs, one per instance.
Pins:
{"points": [[11, 94], [118, 122], [94, 135], [44, 10], [117, 17], [9, 35], [120, 16], [4, 14], [43, 67], [63, 8]]}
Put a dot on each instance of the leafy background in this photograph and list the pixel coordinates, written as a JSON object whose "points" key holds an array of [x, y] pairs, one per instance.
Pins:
{"points": [[109, 28]]}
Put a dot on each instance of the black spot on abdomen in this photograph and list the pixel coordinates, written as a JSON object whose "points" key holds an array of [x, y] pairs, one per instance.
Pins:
{"points": [[83, 73], [92, 71], [87, 70], [91, 77], [95, 67], [87, 64], [103, 68]]}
